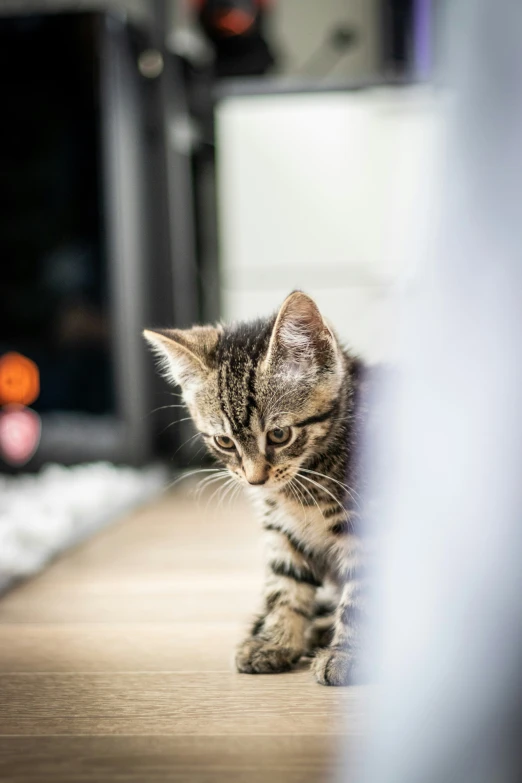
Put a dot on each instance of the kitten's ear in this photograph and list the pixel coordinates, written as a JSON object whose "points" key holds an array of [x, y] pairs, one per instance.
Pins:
{"points": [[300, 334], [185, 355]]}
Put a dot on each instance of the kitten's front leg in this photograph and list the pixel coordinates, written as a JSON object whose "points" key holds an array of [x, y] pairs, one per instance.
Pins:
{"points": [[335, 664], [277, 639]]}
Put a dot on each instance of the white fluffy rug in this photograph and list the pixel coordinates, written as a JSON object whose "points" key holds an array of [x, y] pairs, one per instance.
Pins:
{"points": [[42, 514]]}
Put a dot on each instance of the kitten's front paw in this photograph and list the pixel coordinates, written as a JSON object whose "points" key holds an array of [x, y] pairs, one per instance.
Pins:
{"points": [[333, 667], [257, 656]]}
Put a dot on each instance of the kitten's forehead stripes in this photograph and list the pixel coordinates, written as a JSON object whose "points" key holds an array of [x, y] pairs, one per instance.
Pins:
{"points": [[319, 417], [238, 355]]}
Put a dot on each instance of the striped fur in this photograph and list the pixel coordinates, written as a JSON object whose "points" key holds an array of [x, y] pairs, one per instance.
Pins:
{"points": [[286, 375]]}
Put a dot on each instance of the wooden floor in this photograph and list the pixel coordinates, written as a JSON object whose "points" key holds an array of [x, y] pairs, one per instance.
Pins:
{"points": [[115, 664]]}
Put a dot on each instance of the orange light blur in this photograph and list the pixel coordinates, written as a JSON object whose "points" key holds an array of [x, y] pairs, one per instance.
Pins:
{"points": [[234, 22], [19, 380]]}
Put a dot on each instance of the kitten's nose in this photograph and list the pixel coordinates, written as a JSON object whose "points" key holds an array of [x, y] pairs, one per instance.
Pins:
{"points": [[255, 473]]}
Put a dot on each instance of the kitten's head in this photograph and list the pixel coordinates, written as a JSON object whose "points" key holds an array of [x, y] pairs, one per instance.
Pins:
{"points": [[263, 393]]}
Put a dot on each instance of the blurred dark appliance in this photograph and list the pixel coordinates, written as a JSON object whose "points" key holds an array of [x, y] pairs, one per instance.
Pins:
{"points": [[72, 296], [236, 30], [407, 37]]}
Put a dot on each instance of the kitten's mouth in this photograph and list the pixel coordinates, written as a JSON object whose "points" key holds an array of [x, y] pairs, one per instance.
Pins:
{"points": [[269, 484], [272, 483]]}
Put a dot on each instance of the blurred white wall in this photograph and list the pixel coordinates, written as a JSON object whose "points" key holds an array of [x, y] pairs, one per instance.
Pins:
{"points": [[299, 27], [316, 191]]}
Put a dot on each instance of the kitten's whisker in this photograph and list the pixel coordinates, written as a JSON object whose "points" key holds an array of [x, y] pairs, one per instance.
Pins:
{"points": [[330, 478], [163, 408], [230, 489], [191, 473], [210, 479], [311, 495], [207, 481], [236, 493], [323, 489], [198, 452], [197, 435], [178, 421], [301, 495], [200, 490], [290, 487], [225, 489], [216, 491], [296, 496]]}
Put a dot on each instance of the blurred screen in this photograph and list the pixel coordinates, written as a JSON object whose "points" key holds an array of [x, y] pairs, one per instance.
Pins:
{"points": [[54, 305]]}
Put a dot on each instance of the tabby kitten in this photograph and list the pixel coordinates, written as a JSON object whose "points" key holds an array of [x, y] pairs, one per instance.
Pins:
{"points": [[278, 403]]}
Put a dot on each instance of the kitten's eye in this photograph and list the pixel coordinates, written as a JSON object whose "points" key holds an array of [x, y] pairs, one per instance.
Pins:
{"points": [[279, 436], [225, 442]]}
